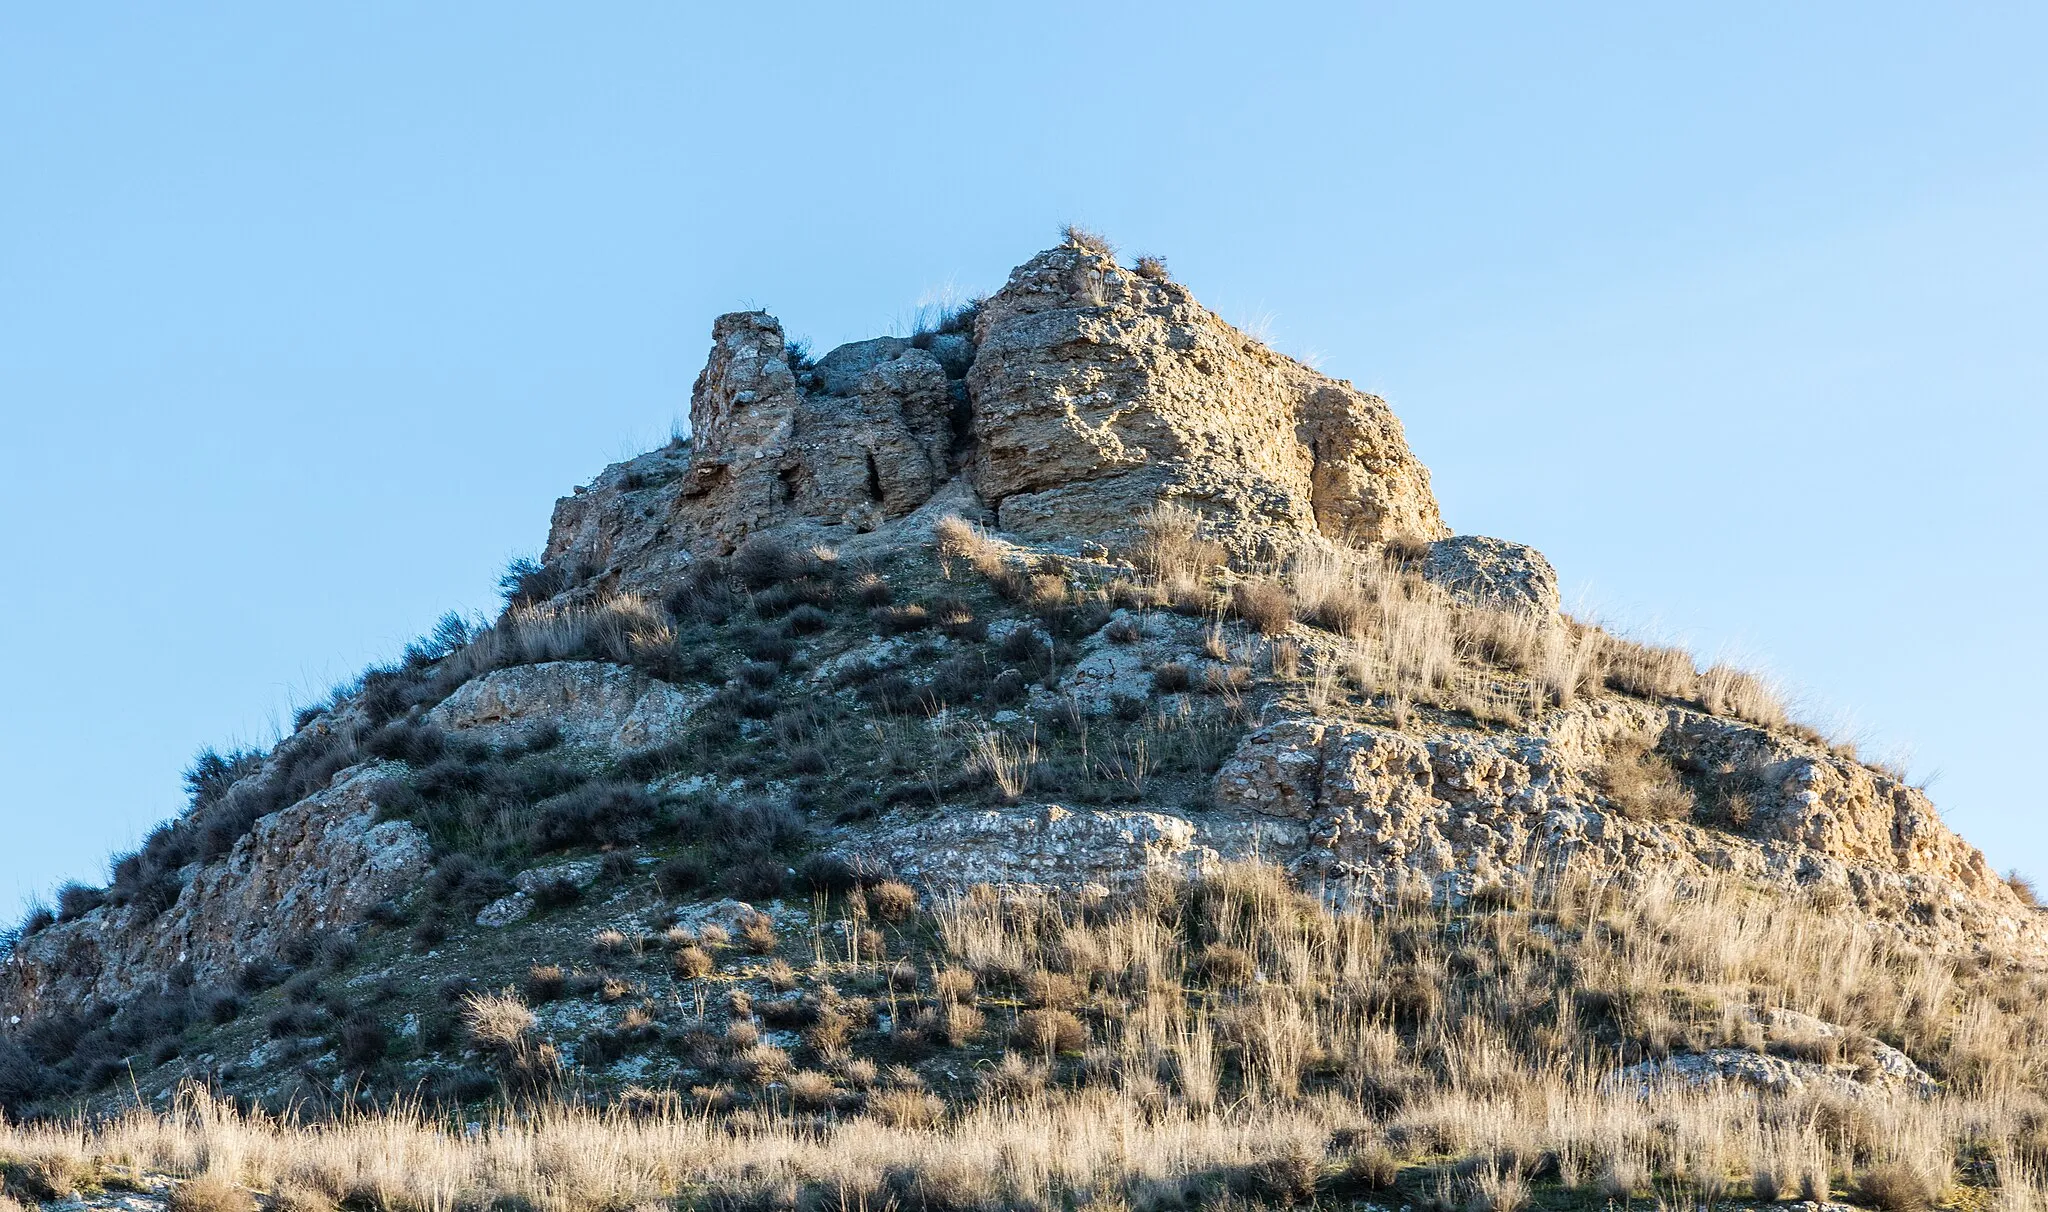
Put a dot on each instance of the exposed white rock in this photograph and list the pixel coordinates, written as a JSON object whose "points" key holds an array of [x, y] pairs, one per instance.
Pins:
{"points": [[581, 873], [594, 703], [1480, 571], [1039, 844]]}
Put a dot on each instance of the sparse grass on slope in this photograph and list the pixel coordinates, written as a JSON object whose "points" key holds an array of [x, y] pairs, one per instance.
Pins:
{"points": [[1201, 1043]]}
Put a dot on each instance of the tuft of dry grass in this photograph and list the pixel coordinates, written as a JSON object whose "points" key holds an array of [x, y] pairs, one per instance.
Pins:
{"points": [[209, 1193], [1005, 762], [959, 539], [1051, 1030], [1265, 605], [1175, 556], [909, 1109], [892, 901], [1898, 1187], [812, 1090], [1152, 269], [1075, 236], [1726, 690], [757, 933], [956, 1023], [953, 985], [1641, 782], [498, 1022], [691, 961]]}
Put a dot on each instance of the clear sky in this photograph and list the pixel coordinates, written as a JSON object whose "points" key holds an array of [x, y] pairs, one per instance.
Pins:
{"points": [[308, 313]]}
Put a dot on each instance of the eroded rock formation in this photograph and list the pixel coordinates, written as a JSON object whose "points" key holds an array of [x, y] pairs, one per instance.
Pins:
{"points": [[1084, 396]]}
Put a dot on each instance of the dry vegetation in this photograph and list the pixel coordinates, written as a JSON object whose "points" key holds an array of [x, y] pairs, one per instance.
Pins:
{"points": [[1226, 1040], [1188, 1044], [1403, 641]]}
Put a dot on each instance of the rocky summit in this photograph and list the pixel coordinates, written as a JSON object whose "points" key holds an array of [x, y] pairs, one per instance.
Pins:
{"points": [[1075, 709]]}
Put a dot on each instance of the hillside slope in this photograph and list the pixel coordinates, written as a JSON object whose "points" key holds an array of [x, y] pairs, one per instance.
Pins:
{"points": [[1075, 710]]}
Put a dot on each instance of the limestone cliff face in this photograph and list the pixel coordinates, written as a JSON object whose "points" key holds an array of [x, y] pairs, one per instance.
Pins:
{"points": [[1098, 393], [1085, 396]]}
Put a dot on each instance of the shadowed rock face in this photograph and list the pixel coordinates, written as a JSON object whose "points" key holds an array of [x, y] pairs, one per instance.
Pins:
{"points": [[1085, 396], [315, 866]]}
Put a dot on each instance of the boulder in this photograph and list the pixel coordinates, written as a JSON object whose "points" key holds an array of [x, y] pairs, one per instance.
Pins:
{"points": [[594, 703], [874, 439], [1495, 573]]}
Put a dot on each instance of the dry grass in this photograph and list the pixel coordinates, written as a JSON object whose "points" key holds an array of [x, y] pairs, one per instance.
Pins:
{"points": [[1404, 641], [1641, 782], [1177, 559], [209, 1193], [961, 540], [1265, 605], [1410, 641], [1086, 240], [1005, 761], [892, 900], [498, 1022], [1440, 1051], [691, 961]]}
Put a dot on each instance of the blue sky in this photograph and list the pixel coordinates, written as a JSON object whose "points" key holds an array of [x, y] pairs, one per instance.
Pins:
{"points": [[306, 317]]}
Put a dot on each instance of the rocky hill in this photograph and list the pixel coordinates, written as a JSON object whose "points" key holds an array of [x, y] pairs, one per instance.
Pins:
{"points": [[1010, 707]]}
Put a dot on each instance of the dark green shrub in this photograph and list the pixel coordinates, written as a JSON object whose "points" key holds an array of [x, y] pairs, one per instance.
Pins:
{"points": [[363, 1041], [706, 595], [899, 620], [1008, 688], [407, 741], [869, 589], [832, 874], [212, 772], [465, 884], [601, 814], [759, 878], [680, 874], [765, 560], [807, 620], [76, 900], [892, 693], [526, 582], [557, 893], [220, 1007], [260, 973]]}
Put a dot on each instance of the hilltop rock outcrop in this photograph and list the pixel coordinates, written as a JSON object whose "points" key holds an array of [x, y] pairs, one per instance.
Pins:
{"points": [[1099, 393], [1084, 396]]}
